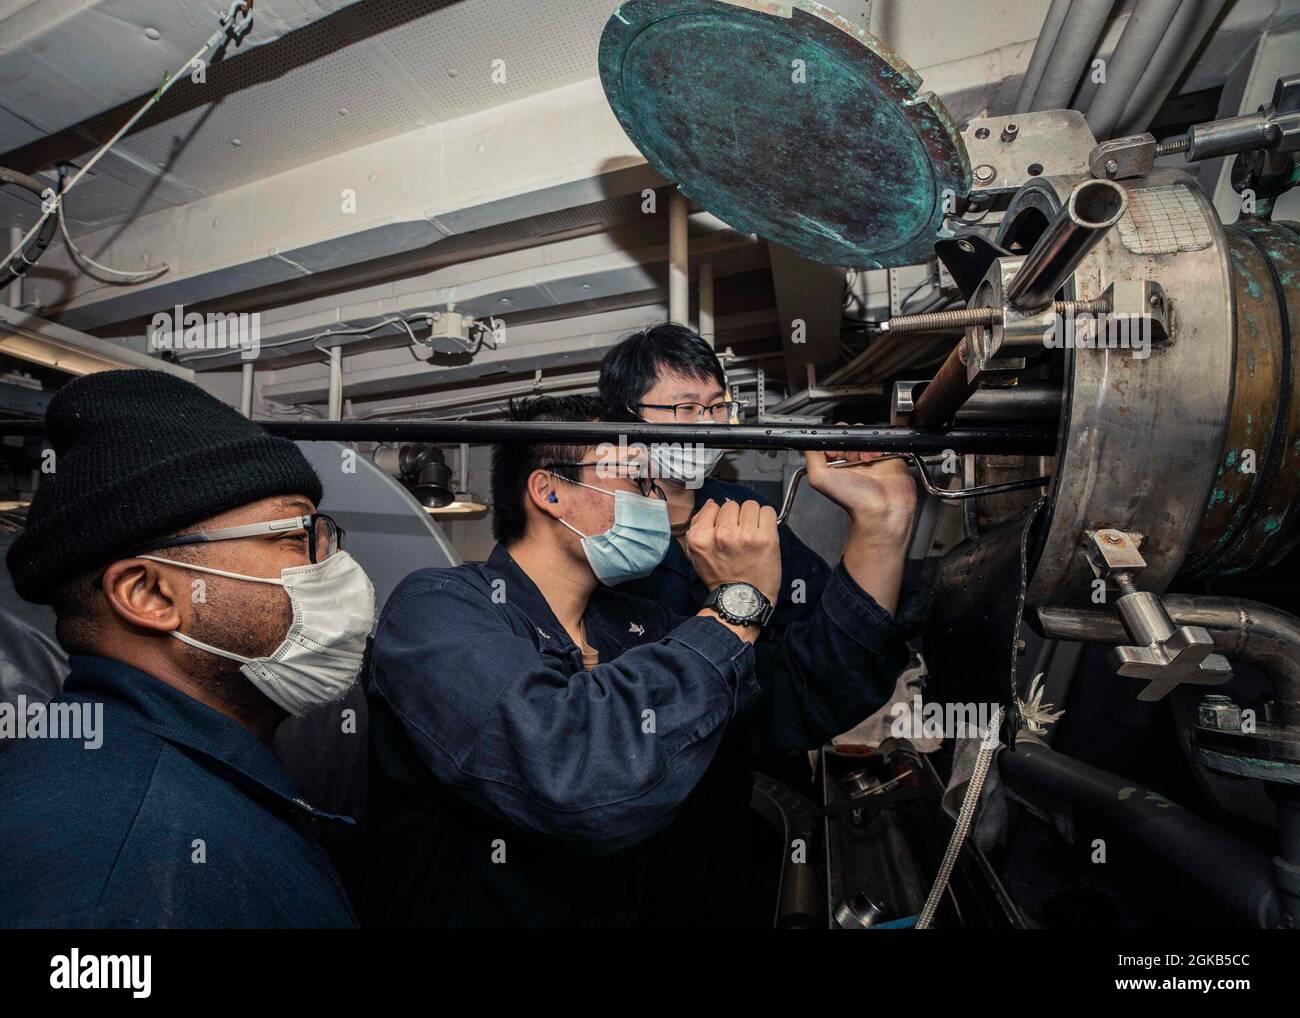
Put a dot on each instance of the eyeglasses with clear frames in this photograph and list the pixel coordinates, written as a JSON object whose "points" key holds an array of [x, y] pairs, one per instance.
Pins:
{"points": [[324, 536]]}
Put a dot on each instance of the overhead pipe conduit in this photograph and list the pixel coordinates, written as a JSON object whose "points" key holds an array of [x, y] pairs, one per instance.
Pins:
{"points": [[1179, 43], [1146, 27], [1078, 37]]}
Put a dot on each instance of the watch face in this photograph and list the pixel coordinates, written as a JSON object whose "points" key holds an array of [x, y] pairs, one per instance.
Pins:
{"points": [[741, 600]]}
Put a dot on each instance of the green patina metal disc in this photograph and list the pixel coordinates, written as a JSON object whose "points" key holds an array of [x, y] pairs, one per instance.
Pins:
{"points": [[788, 121]]}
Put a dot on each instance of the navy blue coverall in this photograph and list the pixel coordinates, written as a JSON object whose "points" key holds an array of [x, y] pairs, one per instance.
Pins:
{"points": [[509, 786], [179, 817]]}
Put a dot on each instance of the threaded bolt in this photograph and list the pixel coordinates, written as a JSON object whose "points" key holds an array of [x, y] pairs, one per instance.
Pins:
{"points": [[961, 318], [1125, 583], [1173, 146], [941, 321], [1080, 307]]}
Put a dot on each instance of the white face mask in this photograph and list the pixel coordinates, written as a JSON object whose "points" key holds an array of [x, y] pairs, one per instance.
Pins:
{"points": [[320, 657], [688, 463]]}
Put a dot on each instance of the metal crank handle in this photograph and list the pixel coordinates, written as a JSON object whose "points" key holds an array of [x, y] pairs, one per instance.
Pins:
{"points": [[918, 463]]}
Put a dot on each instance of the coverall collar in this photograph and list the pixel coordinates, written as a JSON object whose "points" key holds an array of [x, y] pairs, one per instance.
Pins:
{"points": [[604, 612], [155, 707]]}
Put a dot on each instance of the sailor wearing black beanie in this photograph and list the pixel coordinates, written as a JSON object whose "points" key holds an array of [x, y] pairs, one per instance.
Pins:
{"points": [[202, 599]]}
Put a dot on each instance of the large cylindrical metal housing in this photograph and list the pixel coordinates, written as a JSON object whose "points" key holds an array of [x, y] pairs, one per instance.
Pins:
{"points": [[1195, 444]]}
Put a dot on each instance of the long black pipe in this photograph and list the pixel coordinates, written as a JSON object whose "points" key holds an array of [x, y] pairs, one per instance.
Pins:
{"points": [[980, 439], [1237, 874]]}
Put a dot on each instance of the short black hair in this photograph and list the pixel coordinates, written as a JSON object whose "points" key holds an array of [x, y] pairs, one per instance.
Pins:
{"points": [[631, 368], [512, 464]]}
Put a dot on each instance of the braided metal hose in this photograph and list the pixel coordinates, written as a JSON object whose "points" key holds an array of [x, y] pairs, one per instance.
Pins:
{"points": [[969, 802]]}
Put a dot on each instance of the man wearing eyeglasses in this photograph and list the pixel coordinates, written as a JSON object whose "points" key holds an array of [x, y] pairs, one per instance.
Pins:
{"points": [[202, 600], [544, 746], [668, 375]]}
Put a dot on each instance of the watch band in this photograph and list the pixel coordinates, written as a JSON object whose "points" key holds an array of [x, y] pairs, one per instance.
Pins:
{"points": [[714, 601]]}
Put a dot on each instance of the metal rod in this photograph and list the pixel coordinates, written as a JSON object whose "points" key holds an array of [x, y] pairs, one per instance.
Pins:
{"points": [[1093, 207], [962, 318], [1028, 401], [946, 393], [1005, 438], [246, 389], [706, 303], [336, 383], [1173, 146], [679, 296]]}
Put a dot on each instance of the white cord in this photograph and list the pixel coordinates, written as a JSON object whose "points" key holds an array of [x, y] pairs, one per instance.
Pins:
{"points": [[316, 339], [80, 256], [964, 817], [54, 203]]}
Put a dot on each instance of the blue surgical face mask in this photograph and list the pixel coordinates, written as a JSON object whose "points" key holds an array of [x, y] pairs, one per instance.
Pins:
{"points": [[634, 545]]}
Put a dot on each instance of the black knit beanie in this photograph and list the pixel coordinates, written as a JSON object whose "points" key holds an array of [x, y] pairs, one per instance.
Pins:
{"points": [[138, 455]]}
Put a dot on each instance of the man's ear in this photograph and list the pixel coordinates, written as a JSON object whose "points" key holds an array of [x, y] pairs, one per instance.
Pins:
{"points": [[543, 492], [144, 594]]}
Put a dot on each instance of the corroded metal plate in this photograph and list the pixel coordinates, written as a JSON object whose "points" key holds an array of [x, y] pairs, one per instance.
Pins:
{"points": [[788, 121]]}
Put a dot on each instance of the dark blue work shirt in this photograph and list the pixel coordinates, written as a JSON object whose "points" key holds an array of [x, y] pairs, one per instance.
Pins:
{"points": [[113, 836], [676, 585], [510, 786]]}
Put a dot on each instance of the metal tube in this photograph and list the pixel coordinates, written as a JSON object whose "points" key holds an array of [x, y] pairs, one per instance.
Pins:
{"points": [[1146, 27], [336, 384], [946, 393], [1080, 31], [706, 303], [1243, 630], [679, 298], [991, 439], [246, 389], [1042, 50], [1094, 206], [1028, 401], [1235, 134], [1237, 874]]}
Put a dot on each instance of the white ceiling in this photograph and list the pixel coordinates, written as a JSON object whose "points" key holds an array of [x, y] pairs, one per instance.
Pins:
{"points": [[375, 69], [234, 183]]}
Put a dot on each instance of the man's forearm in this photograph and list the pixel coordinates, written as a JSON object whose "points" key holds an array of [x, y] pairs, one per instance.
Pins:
{"points": [[874, 555]]}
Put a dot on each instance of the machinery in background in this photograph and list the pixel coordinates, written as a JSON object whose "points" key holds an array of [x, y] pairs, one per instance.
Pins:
{"points": [[1104, 295], [1123, 398]]}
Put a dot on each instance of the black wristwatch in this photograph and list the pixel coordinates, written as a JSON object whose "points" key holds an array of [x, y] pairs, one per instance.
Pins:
{"points": [[741, 604]]}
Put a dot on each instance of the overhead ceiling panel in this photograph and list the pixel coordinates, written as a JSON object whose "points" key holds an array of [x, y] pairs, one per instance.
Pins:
{"points": [[540, 46], [63, 61], [372, 70], [325, 100]]}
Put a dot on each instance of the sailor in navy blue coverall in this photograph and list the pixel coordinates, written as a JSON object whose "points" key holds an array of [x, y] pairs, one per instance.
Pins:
{"points": [[546, 750]]}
